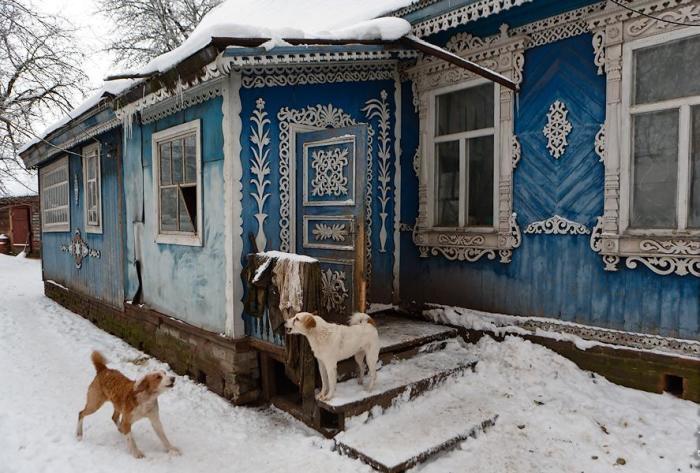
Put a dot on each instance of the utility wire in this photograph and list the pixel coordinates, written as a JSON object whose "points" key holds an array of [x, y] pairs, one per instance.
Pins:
{"points": [[679, 23]]}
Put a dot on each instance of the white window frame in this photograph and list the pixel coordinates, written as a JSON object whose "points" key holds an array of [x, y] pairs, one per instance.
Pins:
{"points": [[462, 136], [684, 124], [88, 153], [55, 166], [175, 237]]}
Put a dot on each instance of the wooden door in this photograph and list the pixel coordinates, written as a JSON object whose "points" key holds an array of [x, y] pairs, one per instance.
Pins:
{"points": [[20, 224], [330, 217]]}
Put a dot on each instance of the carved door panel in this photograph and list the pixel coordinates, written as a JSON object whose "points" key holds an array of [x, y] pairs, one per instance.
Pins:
{"points": [[330, 218]]}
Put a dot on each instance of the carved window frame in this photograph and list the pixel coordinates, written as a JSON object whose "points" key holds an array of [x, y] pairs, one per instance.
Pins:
{"points": [[503, 53], [616, 31], [92, 152]]}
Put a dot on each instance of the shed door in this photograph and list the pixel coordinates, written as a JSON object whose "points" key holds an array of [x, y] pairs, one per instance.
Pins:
{"points": [[330, 225], [20, 225]]}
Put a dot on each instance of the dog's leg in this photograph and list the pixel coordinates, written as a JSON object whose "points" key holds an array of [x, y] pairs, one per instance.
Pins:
{"points": [[115, 417], [93, 403], [154, 417], [359, 357], [371, 357], [125, 428], [332, 374], [324, 380]]}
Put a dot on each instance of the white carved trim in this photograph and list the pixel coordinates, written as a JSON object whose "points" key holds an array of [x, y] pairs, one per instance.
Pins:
{"points": [[557, 225], [557, 129], [310, 118], [416, 162], [334, 292], [79, 249], [396, 272], [260, 167], [317, 57], [189, 98], [379, 109], [599, 144], [309, 74], [515, 157], [599, 51], [233, 209]]}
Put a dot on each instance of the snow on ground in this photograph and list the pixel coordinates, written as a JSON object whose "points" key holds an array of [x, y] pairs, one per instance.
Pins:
{"points": [[553, 417], [45, 370]]}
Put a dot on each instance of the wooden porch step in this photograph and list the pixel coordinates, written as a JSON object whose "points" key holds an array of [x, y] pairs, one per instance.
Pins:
{"points": [[397, 333], [406, 379], [411, 433]]}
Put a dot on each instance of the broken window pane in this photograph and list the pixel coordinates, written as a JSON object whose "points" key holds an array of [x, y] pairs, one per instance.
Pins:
{"points": [[655, 170], [447, 159]]}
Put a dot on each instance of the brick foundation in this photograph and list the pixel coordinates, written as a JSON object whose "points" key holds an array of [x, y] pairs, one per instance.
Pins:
{"points": [[643, 370], [229, 367]]}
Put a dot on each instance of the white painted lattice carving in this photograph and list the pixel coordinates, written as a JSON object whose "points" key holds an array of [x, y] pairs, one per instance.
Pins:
{"points": [[335, 232], [416, 162], [379, 109], [557, 129], [459, 16], [515, 148], [260, 167], [557, 225], [79, 249], [681, 257], [599, 51], [334, 293], [283, 76], [329, 166], [600, 143]]}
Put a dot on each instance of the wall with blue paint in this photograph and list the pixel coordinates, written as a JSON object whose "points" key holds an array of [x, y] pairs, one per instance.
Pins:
{"points": [[100, 278], [555, 276], [186, 282], [351, 97]]}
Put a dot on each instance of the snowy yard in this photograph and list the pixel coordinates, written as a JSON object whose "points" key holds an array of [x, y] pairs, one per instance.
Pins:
{"points": [[553, 417]]}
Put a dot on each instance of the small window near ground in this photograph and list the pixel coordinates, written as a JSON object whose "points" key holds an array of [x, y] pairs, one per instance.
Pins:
{"points": [[464, 157], [92, 188], [665, 126], [176, 154], [55, 196]]}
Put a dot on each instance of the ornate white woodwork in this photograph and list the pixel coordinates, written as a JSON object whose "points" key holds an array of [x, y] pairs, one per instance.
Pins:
{"points": [[281, 76], [314, 118], [329, 167], [379, 109], [335, 232], [79, 249], [459, 16], [612, 27], [416, 162], [503, 53], [334, 292], [557, 225], [599, 51], [557, 129], [260, 167], [599, 144], [515, 148]]}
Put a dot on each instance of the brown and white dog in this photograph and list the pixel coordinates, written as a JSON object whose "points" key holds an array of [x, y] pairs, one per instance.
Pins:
{"points": [[131, 400], [332, 343]]}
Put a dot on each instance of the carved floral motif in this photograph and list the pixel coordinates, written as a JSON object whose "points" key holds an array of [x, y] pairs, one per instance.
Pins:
{"points": [[557, 129], [79, 249], [557, 225], [329, 166], [333, 290], [260, 167], [335, 232]]}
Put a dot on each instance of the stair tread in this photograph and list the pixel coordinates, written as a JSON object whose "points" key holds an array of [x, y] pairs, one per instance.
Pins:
{"points": [[402, 374], [397, 332], [409, 433]]}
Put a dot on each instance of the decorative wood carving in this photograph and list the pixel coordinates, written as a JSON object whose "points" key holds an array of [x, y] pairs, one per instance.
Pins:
{"points": [[557, 129], [260, 167], [557, 225], [79, 249]]}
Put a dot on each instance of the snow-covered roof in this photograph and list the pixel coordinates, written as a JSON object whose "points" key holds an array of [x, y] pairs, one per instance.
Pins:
{"points": [[274, 19]]}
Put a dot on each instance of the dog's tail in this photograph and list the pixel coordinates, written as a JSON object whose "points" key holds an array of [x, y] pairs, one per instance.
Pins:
{"points": [[99, 361], [361, 318]]}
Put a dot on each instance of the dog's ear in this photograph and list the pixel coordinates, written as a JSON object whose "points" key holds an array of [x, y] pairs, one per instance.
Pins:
{"points": [[141, 385], [315, 312], [309, 321]]}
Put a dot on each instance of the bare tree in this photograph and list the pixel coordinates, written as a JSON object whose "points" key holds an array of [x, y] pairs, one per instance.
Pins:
{"points": [[39, 74], [144, 29]]}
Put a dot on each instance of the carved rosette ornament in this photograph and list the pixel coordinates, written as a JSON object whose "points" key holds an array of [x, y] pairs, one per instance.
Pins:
{"points": [[557, 225], [333, 290], [79, 249], [557, 129]]}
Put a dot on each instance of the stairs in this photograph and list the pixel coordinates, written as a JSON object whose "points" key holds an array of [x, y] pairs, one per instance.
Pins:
{"points": [[415, 410]]}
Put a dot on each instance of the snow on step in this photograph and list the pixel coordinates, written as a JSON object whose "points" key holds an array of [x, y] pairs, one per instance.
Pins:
{"points": [[398, 331], [419, 372], [410, 433]]}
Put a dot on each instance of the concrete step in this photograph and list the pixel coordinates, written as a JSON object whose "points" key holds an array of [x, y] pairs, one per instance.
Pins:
{"points": [[407, 378]]}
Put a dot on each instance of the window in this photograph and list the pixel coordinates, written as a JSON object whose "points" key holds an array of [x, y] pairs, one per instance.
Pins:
{"points": [[664, 119], [177, 182], [464, 157], [92, 188], [55, 197]]}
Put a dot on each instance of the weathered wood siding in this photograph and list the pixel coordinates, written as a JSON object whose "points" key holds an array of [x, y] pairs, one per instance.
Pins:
{"points": [[555, 276], [101, 278]]}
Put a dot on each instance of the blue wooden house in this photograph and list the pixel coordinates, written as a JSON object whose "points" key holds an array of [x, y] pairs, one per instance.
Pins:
{"points": [[573, 200]]}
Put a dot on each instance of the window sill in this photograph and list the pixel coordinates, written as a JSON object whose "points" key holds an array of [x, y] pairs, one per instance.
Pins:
{"points": [[93, 230], [468, 244], [662, 252], [58, 229], [179, 239]]}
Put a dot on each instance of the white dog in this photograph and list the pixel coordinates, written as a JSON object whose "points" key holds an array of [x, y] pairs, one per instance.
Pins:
{"points": [[332, 343]]}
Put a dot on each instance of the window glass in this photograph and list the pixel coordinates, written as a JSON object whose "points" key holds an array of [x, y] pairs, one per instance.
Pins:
{"points": [[655, 169], [190, 159], [165, 164], [447, 159], [168, 209], [177, 161], [55, 197], [480, 181], [667, 71], [694, 209], [464, 110], [178, 184]]}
